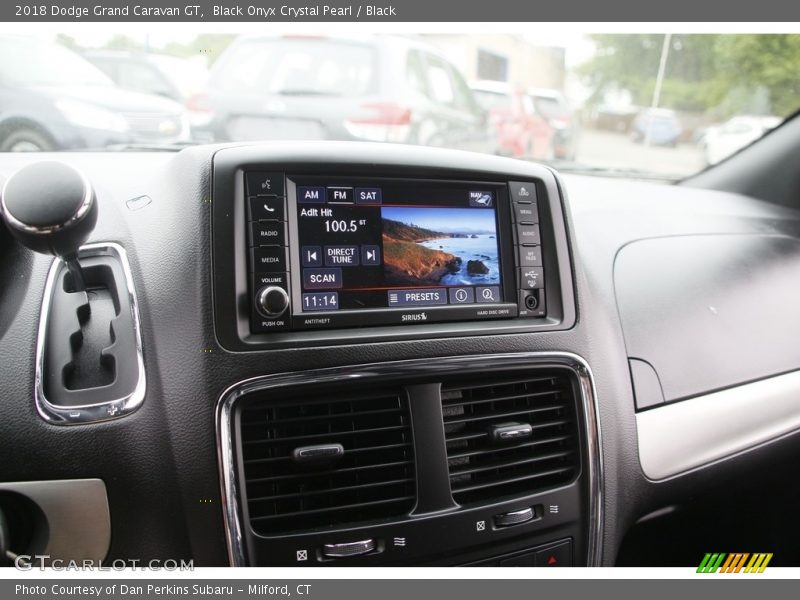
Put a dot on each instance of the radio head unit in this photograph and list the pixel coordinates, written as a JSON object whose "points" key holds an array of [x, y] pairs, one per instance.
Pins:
{"points": [[319, 249]]}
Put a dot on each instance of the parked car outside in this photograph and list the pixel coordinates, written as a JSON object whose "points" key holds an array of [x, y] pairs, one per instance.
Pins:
{"points": [[388, 89], [658, 127], [180, 79], [554, 108], [52, 99], [719, 142], [521, 132]]}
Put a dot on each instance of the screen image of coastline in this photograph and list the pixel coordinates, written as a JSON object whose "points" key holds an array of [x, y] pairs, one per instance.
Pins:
{"points": [[397, 247], [440, 246]]}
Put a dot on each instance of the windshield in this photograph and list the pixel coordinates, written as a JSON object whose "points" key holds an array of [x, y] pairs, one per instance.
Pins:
{"points": [[634, 105], [296, 66], [25, 63]]}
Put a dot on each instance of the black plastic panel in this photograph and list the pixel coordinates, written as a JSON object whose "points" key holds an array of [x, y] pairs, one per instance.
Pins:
{"points": [[231, 287], [709, 312]]}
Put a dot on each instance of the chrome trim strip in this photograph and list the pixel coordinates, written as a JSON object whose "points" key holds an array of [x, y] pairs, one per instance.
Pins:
{"points": [[226, 449], [103, 411], [83, 208], [686, 435]]}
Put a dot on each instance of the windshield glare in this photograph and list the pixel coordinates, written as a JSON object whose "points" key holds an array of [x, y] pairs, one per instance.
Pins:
{"points": [[635, 105]]}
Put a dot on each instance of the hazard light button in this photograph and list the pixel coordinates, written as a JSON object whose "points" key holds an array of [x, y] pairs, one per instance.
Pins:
{"points": [[555, 556]]}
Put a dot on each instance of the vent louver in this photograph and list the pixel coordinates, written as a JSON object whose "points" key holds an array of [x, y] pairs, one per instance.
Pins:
{"points": [[545, 454], [372, 479]]}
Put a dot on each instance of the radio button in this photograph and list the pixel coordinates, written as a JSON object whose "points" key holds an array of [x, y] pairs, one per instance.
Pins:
{"points": [[267, 233], [269, 258], [530, 256], [531, 278], [523, 192], [526, 213], [322, 279], [528, 234], [267, 208], [465, 295], [264, 184]]}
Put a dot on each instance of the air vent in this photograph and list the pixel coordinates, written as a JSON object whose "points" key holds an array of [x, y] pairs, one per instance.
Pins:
{"points": [[322, 462], [509, 436]]}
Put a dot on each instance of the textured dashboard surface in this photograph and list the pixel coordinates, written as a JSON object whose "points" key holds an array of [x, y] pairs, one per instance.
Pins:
{"points": [[160, 464]]}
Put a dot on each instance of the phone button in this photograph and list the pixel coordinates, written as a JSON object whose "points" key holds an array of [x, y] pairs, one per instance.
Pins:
{"points": [[267, 208]]}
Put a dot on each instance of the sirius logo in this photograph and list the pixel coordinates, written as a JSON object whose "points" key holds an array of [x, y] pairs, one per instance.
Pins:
{"points": [[414, 317]]}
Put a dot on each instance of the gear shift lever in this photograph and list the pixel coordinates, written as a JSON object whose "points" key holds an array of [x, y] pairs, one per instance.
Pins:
{"points": [[51, 208]]}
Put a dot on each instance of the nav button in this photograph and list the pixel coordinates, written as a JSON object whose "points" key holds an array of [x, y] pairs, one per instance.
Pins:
{"points": [[462, 295]]}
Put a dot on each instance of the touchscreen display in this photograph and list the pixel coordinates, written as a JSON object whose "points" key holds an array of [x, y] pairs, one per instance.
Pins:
{"points": [[396, 245]]}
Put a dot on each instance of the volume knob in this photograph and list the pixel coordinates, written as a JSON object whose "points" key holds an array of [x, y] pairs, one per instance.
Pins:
{"points": [[272, 301]]}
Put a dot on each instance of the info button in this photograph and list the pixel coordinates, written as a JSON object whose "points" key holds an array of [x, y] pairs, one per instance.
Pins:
{"points": [[462, 295], [421, 297]]}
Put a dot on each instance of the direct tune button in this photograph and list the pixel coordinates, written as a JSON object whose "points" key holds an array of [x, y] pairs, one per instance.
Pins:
{"points": [[348, 549], [272, 301]]}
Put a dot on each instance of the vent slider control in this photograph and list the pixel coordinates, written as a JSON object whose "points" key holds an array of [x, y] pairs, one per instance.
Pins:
{"points": [[503, 432], [318, 453]]}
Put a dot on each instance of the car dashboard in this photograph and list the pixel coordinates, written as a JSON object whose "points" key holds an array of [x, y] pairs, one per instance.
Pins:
{"points": [[383, 355]]}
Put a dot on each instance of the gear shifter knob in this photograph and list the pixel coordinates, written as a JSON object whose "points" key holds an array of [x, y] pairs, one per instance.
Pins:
{"points": [[51, 208]]}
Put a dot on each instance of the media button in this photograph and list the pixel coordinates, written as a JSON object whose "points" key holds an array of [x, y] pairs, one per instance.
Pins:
{"points": [[340, 195], [369, 196], [322, 279], [487, 295], [269, 258], [311, 256], [528, 234], [523, 192], [341, 256], [310, 195], [267, 233], [418, 297], [464, 295], [266, 208], [370, 255], [531, 278]]}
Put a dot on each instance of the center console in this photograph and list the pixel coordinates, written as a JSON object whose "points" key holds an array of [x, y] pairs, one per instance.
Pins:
{"points": [[305, 252], [481, 460]]}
